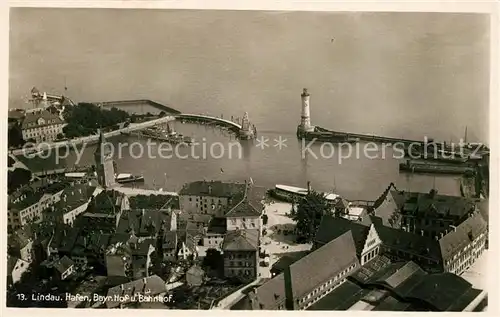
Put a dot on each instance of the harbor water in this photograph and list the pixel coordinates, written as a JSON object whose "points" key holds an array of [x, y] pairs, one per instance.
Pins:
{"points": [[394, 74]]}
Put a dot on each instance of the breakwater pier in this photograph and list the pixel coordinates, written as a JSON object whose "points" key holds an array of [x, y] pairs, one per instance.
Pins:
{"points": [[307, 131]]}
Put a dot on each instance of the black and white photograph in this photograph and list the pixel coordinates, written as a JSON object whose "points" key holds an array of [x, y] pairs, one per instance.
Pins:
{"points": [[210, 159]]}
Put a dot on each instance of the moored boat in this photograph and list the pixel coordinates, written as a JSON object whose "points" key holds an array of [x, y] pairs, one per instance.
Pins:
{"points": [[128, 178], [292, 193]]}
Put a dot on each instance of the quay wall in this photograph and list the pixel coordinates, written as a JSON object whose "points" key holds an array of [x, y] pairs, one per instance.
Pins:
{"points": [[92, 139], [131, 105], [209, 119]]}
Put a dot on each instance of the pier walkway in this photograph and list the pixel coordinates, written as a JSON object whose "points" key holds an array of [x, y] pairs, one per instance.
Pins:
{"points": [[63, 170], [140, 191], [204, 118]]}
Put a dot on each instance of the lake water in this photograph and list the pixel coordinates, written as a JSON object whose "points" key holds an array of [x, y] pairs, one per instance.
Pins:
{"points": [[396, 74]]}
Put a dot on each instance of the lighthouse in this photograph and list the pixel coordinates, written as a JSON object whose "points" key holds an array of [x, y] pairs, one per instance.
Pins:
{"points": [[305, 120], [246, 132]]}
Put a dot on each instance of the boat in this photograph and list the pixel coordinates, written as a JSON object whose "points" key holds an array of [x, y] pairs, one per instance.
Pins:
{"points": [[128, 178], [436, 155], [292, 194], [422, 167]]}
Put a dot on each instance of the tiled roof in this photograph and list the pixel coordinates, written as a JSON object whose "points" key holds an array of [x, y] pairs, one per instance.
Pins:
{"points": [[387, 209], [31, 199], [107, 201], [409, 242], [440, 290], [411, 202], [393, 304], [169, 240], [332, 227], [196, 271], [144, 223], [398, 273], [20, 238], [310, 271], [288, 259], [63, 264], [241, 240], [248, 203], [484, 208], [243, 209], [32, 118], [11, 264], [341, 298], [142, 248], [212, 188], [65, 238], [152, 285], [74, 197], [464, 234], [367, 273]]}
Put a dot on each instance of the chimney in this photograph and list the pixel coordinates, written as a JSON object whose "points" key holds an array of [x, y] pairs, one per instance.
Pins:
{"points": [[122, 287], [144, 281], [308, 187], [441, 235], [210, 189], [422, 233], [289, 303], [454, 228]]}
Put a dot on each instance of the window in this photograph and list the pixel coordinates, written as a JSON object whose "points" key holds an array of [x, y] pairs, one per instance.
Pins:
{"points": [[190, 199]]}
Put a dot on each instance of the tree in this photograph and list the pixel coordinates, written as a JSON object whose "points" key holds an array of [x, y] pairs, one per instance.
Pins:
{"points": [[15, 136], [213, 260], [60, 136], [264, 219], [308, 214], [10, 161], [18, 178]]}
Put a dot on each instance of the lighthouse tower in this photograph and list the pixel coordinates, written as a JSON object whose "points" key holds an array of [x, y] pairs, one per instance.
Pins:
{"points": [[305, 120]]}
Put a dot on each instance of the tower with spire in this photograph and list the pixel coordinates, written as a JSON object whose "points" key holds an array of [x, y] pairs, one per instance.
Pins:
{"points": [[104, 163]]}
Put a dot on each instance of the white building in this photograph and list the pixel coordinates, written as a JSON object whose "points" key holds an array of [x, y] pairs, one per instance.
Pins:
{"points": [[41, 126]]}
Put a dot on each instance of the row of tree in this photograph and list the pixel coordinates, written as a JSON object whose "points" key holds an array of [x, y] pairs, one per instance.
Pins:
{"points": [[85, 119], [307, 214]]}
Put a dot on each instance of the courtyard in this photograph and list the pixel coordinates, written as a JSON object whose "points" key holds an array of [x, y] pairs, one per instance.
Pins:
{"points": [[279, 237]]}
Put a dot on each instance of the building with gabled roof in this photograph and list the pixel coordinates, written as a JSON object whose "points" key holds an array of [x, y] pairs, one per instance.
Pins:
{"points": [[30, 205], [16, 268], [104, 211], [299, 286], [152, 286], [65, 266], [41, 126], [147, 222], [428, 214], [246, 214], [210, 197], [366, 239], [241, 254], [74, 201], [383, 285], [20, 245]]}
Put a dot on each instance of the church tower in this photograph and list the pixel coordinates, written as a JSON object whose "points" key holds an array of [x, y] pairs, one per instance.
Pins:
{"points": [[104, 163]]}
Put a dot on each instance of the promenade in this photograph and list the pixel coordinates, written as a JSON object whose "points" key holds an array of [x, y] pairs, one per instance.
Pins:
{"points": [[93, 138]]}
